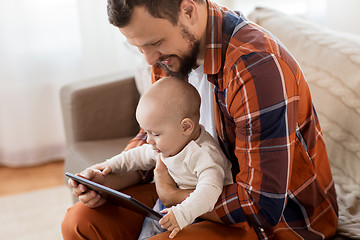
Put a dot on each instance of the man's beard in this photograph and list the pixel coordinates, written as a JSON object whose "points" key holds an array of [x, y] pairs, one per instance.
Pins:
{"points": [[188, 61]]}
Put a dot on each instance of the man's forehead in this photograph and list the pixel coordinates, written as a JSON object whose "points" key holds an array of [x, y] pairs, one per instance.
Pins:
{"points": [[143, 28]]}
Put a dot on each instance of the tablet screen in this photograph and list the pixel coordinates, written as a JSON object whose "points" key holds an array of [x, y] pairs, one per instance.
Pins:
{"points": [[116, 197]]}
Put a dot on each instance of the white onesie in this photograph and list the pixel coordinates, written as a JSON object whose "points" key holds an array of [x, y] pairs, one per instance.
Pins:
{"points": [[201, 165]]}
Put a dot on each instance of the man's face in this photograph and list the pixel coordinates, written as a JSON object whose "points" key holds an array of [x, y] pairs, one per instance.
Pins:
{"points": [[187, 61], [175, 48]]}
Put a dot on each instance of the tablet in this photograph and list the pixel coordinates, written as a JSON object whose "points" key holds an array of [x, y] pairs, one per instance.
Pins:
{"points": [[118, 198]]}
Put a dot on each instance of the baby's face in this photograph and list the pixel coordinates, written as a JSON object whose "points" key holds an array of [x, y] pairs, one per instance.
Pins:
{"points": [[165, 134]]}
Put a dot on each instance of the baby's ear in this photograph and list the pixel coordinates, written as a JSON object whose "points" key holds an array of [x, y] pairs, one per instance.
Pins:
{"points": [[187, 126]]}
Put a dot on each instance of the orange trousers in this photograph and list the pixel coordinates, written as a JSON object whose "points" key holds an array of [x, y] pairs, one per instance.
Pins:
{"points": [[112, 222]]}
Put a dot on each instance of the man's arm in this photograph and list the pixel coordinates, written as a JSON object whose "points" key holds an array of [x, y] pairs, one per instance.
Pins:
{"points": [[171, 195], [263, 105]]}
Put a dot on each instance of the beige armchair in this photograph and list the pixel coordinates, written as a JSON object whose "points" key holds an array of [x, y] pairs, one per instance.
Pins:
{"points": [[99, 119]]}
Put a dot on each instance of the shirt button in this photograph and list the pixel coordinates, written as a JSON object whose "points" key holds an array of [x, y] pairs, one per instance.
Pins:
{"points": [[261, 229]]}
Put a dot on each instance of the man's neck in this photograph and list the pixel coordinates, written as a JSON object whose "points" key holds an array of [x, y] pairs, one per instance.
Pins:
{"points": [[199, 62]]}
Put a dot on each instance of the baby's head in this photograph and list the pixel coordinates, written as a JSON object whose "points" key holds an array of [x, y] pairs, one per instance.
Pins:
{"points": [[169, 112]]}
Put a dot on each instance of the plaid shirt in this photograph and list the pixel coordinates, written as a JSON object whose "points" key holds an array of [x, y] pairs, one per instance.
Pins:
{"points": [[269, 130]]}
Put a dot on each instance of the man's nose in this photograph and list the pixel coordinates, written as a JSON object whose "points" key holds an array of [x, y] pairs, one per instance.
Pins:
{"points": [[151, 55]]}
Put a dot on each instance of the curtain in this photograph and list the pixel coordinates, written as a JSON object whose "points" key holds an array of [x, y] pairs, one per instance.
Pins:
{"points": [[43, 46]]}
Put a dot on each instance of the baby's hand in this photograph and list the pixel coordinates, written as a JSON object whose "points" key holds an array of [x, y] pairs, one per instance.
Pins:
{"points": [[169, 222], [104, 167]]}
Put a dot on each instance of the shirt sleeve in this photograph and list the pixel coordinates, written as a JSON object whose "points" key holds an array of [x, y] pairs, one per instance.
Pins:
{"points": [[262, 102], [137, 141]]}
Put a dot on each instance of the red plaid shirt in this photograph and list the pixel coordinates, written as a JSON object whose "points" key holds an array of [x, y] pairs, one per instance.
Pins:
{"points": [[269, 130]]}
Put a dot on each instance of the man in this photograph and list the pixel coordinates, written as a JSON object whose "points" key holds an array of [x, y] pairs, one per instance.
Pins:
{"points": [[264, 119]]}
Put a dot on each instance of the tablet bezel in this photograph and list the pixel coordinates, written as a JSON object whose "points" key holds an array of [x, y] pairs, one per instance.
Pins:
{"points": [[116, 197]]}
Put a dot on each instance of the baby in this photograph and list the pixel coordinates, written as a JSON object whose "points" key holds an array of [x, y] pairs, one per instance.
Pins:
{"points": [[169, 113]]}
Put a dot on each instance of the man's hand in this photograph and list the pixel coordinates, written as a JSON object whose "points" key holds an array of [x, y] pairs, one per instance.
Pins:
{"points": [[165, 185], [114, 180], [166, 188], [169, 222], [170, 194], [89, 198]]}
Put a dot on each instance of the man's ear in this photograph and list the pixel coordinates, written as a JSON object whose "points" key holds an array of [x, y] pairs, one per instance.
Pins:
{"points": [[188, 9], [187, 126]]}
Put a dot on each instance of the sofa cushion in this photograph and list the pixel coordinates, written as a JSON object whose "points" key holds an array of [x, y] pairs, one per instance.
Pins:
{"points": [[331, 64]]}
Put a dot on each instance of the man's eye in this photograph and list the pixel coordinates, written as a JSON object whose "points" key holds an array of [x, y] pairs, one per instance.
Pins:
{"points": [[156, 43]]}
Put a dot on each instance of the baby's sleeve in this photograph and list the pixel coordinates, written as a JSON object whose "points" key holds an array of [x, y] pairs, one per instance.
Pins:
{"points": [[208, 189], [139, 158]]}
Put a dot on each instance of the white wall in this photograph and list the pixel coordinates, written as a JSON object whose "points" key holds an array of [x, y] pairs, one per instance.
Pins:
{"points": [[343, 15], [104, 48]]}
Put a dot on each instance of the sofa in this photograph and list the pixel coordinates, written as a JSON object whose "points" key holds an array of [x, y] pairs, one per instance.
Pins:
{"points": [[99, 113]]}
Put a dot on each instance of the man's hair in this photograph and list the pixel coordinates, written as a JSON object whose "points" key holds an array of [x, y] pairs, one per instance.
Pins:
{"points": [[120, 11]]}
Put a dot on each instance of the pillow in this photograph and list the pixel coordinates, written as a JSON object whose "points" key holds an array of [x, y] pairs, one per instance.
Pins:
{"points": [[331, 64]]}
